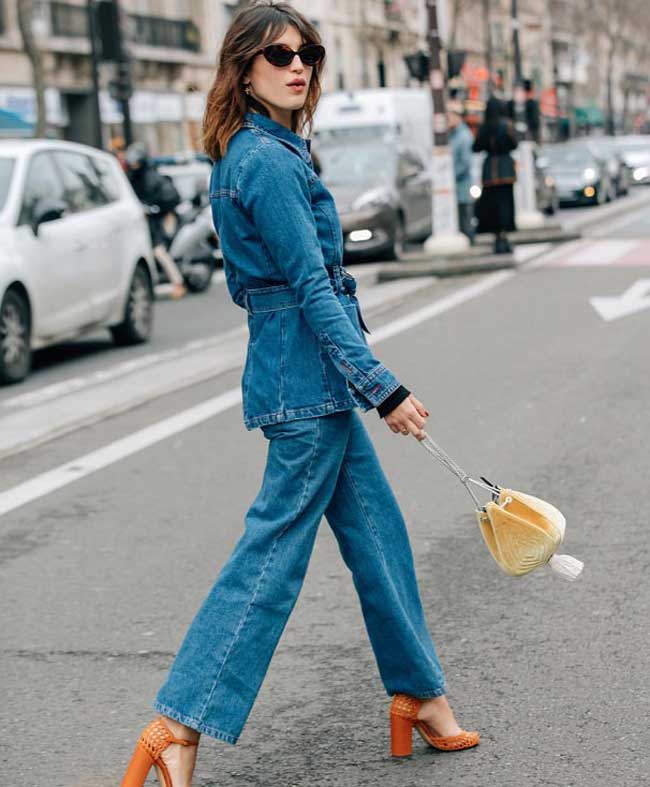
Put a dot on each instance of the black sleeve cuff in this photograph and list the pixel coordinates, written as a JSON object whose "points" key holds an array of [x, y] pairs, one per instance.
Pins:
{"points": [[392, 401]]}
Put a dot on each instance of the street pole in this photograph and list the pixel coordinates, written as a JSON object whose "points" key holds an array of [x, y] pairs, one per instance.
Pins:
{"points": [[124, 100], [94, 69], [488, 46], [527, 215], [518, 82], [445, 238]]}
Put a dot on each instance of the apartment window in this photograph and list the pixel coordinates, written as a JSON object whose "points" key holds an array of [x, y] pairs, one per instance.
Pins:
{"points": [[149, 28], [497, 35], [172, 33], [69, 20], [2, 17]]}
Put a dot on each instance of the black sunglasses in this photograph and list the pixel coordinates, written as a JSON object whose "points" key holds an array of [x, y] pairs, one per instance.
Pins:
{"points": [[282, 55]]}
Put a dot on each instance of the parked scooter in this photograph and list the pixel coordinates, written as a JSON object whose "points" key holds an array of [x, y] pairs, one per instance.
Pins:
{"points": [[192, 243]]}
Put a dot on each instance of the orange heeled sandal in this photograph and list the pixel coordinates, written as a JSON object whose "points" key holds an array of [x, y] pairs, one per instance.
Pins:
{"points": [[404, 717], [155, 738]]}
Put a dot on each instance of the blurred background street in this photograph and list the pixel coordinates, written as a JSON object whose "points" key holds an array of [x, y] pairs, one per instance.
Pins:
{"points": [[126, 471]]}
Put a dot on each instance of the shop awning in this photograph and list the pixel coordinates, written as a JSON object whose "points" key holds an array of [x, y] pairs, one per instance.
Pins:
{"points": [[13, 125], [589, 116]]}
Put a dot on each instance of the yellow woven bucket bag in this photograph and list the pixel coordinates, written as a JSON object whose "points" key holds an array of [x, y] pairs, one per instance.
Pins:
{"points": [[521, 531]]}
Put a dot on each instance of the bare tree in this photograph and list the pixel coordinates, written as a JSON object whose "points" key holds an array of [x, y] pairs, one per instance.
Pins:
{"points": [[26, 15], [616, 22]]}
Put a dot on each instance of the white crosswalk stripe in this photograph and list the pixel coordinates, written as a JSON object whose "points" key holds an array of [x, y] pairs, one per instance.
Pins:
{"points": [[633, 253]]}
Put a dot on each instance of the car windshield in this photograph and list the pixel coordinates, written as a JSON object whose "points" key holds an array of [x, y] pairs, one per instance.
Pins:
{"points": [[6, 170], [351, 134], [355, 164], [569, 158]]}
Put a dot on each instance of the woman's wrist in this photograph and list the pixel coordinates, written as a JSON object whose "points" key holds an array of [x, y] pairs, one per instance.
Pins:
{"points": [[392, 401]]}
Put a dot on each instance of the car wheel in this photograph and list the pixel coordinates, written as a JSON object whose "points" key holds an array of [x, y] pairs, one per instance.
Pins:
{"points": [[611, 191], [15, 338], [138, 314]]}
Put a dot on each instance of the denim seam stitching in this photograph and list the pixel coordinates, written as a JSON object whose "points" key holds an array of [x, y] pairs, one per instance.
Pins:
{"points": [[238, 630], [190, 721], [298, 411], [242, 622], [373, 530], [282, 317]]}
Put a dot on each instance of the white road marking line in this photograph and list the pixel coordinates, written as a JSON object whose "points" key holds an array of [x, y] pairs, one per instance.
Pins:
{"points": [[439, 307], [603, 252], [49, 392], [613, 227], [65, 474], [70, 385]]}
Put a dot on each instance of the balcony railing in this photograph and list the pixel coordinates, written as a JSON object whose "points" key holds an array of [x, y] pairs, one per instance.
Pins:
{"points": [[72, 21]]}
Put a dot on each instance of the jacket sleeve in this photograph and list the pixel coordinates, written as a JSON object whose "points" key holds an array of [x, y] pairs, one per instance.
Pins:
{"points": [[273, 188], [463, 160]]}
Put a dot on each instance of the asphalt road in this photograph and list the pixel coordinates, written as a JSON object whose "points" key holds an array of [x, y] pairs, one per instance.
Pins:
{"points": [[529, 386]]}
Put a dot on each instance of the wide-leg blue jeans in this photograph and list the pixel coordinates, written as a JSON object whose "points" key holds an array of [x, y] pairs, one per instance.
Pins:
{"points": [[315, 467]]}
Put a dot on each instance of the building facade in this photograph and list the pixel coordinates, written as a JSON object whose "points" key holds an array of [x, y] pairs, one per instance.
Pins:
{"points": [[174, 45], [588, 60]]}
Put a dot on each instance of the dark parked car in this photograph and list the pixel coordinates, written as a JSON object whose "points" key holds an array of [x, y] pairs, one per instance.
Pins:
{"points": [[580, 177], [383, 196], [635, 150], [619, 171]]}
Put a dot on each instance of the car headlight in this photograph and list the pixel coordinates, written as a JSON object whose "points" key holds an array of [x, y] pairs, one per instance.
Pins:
{"points": [[640, 173], [589, 175], [475, 191], [377, 198]]}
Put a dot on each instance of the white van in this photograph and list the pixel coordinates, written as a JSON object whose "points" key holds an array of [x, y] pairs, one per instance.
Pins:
{"points": [[401, 114]]}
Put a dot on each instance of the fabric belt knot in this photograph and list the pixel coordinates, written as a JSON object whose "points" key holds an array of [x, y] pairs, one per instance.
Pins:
{"points": [[348, 283]]}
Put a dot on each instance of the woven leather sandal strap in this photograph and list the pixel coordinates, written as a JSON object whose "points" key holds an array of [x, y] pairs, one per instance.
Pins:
{"points": [[183, 742], [405, 706]]}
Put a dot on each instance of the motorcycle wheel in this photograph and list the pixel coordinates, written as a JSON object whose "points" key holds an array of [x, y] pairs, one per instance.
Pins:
{"points": [[198, 277]]}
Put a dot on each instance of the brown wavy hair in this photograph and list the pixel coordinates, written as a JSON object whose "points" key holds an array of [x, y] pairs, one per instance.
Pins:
{"points": [[253, 28]]}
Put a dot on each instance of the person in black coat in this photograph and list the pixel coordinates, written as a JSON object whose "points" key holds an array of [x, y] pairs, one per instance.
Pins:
{"points": [[496, 206]]}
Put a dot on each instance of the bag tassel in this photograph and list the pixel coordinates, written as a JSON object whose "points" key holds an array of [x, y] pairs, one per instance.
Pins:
{"points": [[566, 566]]}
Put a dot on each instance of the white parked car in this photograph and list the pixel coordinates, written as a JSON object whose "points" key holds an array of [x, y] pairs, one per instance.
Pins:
{"points": [[75, 250]]}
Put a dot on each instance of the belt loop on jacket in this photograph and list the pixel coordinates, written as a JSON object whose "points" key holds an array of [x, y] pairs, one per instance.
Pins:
{"points": [[338, 278]]}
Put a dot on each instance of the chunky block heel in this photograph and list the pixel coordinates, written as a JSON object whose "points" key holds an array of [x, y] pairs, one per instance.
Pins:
{"points": [[401, 736], [139, 767], [404, 717], [155, 738]]}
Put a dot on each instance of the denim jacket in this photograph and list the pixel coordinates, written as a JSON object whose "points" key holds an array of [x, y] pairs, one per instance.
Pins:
{"points": [[282, 246]]}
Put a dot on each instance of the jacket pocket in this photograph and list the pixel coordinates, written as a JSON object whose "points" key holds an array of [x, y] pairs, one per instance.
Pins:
{"points": [[261, 382], [302, 375]]}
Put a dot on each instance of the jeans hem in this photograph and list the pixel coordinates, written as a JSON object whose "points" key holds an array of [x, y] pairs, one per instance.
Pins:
{"points": [[423, 694], [195, 724]]}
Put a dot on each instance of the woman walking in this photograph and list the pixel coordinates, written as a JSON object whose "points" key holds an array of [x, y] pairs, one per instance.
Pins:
{"points": [[496, 208], [308, 368]]}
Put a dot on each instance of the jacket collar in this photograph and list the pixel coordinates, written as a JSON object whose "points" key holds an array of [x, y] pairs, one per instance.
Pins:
{"points": [[269, 126]]}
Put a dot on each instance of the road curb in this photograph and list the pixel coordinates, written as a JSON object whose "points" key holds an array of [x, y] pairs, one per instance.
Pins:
{"points": [[555, 234], [442, 268]]}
